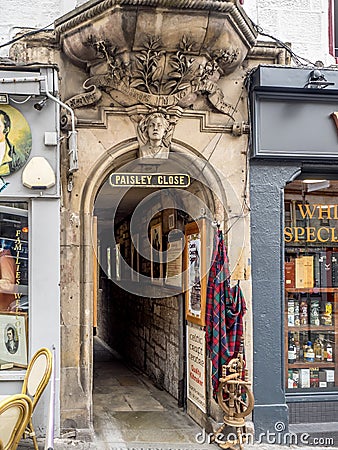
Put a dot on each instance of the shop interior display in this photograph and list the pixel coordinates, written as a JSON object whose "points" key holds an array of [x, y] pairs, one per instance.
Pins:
{"points": [[311, 286]]}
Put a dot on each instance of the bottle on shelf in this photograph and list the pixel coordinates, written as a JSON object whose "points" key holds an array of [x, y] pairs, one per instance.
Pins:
{"points": [[310, 354], [301, 351], [303, 312], [290, 379], [297, 349], [326, 317], [296, 310], [319, 349], [291, 311], [291, 351], [305, 347], [328, 351], [314, 311]]}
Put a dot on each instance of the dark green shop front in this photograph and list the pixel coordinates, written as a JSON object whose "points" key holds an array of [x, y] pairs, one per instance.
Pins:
{"points": [[294, 237]]}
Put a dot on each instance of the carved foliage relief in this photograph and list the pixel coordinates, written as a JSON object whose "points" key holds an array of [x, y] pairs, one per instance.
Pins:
{"points": [[156, 78]]}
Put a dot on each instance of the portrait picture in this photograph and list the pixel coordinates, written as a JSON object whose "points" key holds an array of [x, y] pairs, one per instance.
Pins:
{"points": [[15, 140], [13, 338]]}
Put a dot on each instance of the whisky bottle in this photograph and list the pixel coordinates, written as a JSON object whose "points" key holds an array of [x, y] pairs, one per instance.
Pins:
{"points": [[291, 312], [303, 312], [314, 311], [291, 351], [305, 352], [319, 350], [297, 349], [329, 356], [310, 354], [326, 318]]}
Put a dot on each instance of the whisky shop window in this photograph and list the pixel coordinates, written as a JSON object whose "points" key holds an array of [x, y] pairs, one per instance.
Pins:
{"points": [[311, 285], [13, 284]]}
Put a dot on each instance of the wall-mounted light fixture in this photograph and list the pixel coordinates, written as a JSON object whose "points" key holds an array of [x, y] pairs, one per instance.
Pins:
{"points": [[39, 105], [317, 80], [316, 185]]}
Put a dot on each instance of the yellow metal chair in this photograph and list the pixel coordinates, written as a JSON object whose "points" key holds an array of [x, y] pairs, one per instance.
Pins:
{"points": [[36, 379], [15, 413]]}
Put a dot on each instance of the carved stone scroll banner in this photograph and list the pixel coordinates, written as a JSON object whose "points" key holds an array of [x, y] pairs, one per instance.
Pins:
{"points": [[213, 92], [86, 98]]}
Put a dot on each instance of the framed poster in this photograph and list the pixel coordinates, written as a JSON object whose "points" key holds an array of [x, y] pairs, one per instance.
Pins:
{"points": [[171, 221], [13, 338], [195, 271], [156, 253], [173, 275]]}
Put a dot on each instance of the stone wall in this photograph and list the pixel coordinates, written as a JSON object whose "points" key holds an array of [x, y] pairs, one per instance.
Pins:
{"points": [[144, 331], [31, 15], [306, 30], [303, 24]]}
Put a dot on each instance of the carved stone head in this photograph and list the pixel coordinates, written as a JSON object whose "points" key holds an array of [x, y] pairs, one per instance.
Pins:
{"points": [[154, 134]]}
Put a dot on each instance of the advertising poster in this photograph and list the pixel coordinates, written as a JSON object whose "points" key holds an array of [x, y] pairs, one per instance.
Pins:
{"points": [[196, 384], [174, 263], [194, 274]]}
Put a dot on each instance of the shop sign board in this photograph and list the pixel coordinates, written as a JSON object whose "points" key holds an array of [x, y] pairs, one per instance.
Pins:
{"points": [[317, 228], [196, 383], [149, 180], [293, 116]]}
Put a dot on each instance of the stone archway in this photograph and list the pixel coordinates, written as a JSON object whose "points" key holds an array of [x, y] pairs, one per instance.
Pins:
{"points": [[114, 158]]}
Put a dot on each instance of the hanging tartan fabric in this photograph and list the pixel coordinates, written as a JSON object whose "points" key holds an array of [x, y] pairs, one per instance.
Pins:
{"points": [[224, 312]]}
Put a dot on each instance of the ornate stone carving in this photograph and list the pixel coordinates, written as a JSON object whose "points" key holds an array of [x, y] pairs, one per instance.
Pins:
{"points": [[156, 78], [125, 22], [136, 54], [154, 133]]}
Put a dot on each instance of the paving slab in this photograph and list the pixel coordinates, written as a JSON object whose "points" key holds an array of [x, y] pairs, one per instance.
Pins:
{"points": [[130, 413]]}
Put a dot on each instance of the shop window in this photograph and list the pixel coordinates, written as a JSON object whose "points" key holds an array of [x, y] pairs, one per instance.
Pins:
{"points": [[311, 285], [14, 301]]}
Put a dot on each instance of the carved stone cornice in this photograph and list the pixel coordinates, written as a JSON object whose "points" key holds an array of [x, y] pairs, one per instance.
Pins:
{"points": [[212, 25], [235, 126], [269, 53], [95, 8]]}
